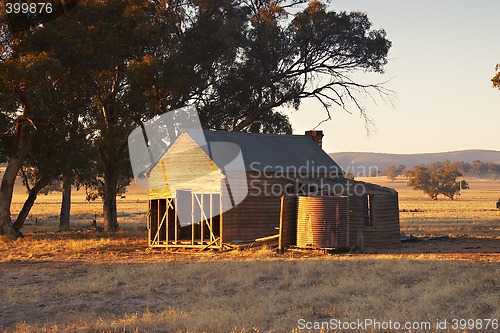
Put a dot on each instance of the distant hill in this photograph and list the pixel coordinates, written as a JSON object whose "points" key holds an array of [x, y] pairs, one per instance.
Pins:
{"points": [[351, 161]]}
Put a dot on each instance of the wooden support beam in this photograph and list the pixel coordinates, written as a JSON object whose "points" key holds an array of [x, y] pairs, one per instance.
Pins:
{"points": [[211, 245], [267, 238], [280, 241], [156, 238], [202, 219], [212, 236], [176, 218], [167, 224], [220, 221], [188, 246], [149, 222], [192, 218]]}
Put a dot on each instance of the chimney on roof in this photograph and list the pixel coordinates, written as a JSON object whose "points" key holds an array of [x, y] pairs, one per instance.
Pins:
{"points": [[316, 136]]}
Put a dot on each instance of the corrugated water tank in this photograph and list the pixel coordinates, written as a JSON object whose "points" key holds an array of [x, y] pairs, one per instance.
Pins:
{"points": [[323, 222]]}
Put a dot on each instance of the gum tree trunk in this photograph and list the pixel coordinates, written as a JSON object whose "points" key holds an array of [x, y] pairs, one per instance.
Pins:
{"points": [[6, 190], [109, 200], [28, 204], [64, 217], [20, 150]]}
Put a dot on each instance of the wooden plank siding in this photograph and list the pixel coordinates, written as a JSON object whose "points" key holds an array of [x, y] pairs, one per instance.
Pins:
{"points": [[255, 217], [184, 166], [259, 213], [385, 231]]}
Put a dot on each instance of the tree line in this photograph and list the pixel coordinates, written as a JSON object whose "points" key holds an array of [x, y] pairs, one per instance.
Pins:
{"points": [[442, 178], [75, 83], [475, 169]]}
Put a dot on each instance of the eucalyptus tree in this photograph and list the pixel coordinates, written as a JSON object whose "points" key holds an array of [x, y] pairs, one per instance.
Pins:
{"points": [[437, 178], [26, 81], [37, 94], [284, 60]]}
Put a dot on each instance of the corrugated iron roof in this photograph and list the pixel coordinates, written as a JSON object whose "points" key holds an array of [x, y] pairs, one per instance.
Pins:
{"points": [[268, 152]]}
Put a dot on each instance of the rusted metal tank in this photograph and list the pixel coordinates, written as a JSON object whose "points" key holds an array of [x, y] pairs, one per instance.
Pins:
{"points": [[323, 222]]}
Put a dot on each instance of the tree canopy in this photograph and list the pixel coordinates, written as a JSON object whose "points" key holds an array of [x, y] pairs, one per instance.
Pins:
{"points": [[394, 171], [437, 178], [282, 62]]}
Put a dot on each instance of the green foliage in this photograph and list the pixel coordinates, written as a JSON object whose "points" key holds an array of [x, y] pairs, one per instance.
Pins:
{"points": [[6, 125], [274, 123], [437, 178], [32, 177]]}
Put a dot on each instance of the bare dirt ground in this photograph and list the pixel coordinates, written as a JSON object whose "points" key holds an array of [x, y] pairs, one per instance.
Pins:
{"points": [[129, 246]]}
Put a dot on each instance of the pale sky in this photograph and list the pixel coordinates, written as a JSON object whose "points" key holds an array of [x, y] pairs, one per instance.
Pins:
{"points": [[442, 58]]}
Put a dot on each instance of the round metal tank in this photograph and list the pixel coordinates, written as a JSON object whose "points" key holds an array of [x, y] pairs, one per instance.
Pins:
{"points": [[323, 222]]}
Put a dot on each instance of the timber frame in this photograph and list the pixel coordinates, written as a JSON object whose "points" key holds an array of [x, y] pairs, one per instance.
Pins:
{"points": [[204, 231]]}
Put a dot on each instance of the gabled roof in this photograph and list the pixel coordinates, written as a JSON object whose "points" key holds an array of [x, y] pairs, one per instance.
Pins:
{"points": [[268, 152]]}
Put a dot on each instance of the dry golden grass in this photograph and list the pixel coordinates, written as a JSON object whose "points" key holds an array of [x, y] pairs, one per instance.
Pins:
{"points": [[227, 295], [44, 215], [473, 214], [111, 282]]}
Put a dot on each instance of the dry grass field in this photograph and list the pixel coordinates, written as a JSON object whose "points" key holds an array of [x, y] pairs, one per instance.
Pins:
{"points": [[85, 281], [473, 213]]}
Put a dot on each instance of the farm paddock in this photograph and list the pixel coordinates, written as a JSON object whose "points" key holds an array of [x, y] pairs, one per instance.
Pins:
{"points": [[56, 283], [99, 282]]}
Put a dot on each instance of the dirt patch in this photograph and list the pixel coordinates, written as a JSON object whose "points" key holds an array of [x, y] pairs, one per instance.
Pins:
{"points": [[461, 248]]}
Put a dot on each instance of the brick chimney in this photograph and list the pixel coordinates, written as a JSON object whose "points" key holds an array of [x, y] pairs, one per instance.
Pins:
{"points": [[316, 136]]}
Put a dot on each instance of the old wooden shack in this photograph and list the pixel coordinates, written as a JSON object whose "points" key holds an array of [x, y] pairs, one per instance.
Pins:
{"points": [[213, 188]]}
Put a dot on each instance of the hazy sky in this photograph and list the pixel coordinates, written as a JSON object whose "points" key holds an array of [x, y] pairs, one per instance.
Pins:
{"points": [[440, 65]]}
